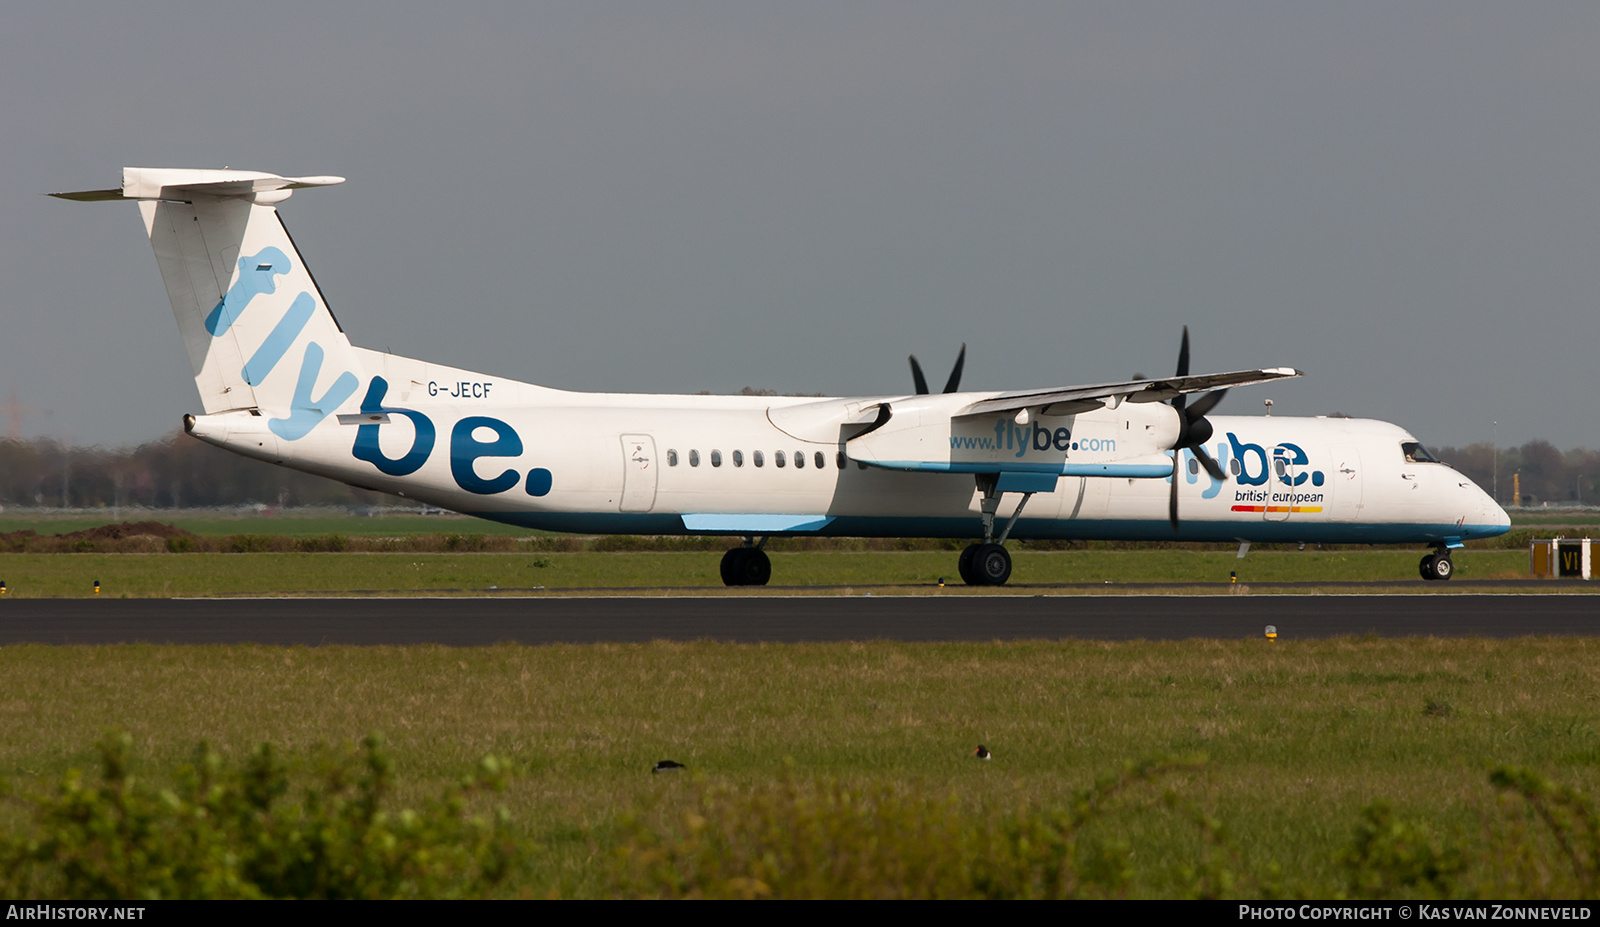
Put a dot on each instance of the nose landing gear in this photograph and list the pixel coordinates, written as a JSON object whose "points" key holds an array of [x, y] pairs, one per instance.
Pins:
{"points": [[1437, 565]]}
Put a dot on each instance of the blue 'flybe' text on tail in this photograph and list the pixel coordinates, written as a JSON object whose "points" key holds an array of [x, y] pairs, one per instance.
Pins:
{"points": [[258, 333]]}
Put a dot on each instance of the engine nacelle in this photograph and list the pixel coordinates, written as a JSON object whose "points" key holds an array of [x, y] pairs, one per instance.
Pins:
{"points": [[925, 433]]}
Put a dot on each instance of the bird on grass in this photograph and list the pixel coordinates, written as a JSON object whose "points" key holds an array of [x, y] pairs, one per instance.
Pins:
{"points": [[982, 752], [667, 766]]}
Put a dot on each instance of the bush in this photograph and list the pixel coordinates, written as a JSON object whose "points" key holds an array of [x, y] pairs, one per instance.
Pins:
{"points": [[829, 840], [1394, 858], [1545, 843], [220, 833]]}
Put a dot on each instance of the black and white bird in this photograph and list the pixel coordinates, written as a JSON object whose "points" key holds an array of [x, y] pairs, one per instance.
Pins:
{"points": [[670, 765], [982, 752]]}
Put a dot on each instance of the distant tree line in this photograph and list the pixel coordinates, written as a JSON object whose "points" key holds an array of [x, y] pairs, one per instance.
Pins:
{"points": [[180, 472], [1547, 474], [175, 472]]}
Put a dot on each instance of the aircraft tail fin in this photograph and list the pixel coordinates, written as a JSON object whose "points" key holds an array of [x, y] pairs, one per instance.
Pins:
{"points": [[258, 332]]}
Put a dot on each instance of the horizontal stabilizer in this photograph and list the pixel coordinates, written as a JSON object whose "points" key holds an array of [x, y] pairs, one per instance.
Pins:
{"points": [[166, 183], [91, 196]]}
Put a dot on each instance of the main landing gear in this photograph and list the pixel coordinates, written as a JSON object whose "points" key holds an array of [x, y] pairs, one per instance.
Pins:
{"points": [[988, 563], [747, 565], [1437, 565], [984, 565]]}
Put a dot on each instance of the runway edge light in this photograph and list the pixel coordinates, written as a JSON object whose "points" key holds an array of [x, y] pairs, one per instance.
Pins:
{"points": [[1272, 632]]}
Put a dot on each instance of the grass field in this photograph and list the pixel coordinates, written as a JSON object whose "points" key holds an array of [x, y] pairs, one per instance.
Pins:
{"points": [[1536, 517], [211, 574], [322, 552], [1297, 738], [315, 522]]}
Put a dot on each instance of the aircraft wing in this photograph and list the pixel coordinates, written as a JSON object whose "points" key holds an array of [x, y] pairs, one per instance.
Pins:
{"points": [[1083, 398]]}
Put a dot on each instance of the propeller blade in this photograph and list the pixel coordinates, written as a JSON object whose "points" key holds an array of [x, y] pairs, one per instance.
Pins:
{"points": [[917, 377], [1193, 428], [1206, 403], [951, 384], [1172, 501]]}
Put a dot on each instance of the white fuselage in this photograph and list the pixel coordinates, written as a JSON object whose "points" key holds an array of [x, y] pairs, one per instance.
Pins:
{"points": [[751, 465]]}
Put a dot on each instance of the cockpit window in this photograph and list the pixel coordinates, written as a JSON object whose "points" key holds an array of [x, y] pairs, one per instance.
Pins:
{"points": [[1416, 453]]}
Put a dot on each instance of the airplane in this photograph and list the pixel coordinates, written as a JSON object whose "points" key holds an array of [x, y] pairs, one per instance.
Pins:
{"points": [[279, 381]]}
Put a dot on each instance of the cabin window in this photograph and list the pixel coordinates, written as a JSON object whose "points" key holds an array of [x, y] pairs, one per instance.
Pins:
{"points": [[841, 460], [1194, 466], [738, 458], [819, 460], [1416, 453], [1279, 467], [755, 458], [672, 457], [778, 458], [694, 458], [860, 465], [1233, 466], [716, 458], [799, 460]]}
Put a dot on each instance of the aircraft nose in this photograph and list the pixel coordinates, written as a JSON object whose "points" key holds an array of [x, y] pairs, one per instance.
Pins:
{"points": [[1489, 519], [1492, 517]]}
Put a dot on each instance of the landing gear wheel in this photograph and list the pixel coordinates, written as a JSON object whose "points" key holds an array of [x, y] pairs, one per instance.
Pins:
{"points": [[964, 565], [746, 566], [992, 565], [1437, 567]]}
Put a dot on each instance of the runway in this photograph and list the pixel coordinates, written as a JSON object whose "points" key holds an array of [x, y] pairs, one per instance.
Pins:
{"points": [[463, 622]]}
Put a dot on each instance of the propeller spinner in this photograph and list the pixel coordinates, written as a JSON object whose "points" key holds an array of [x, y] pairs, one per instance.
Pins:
{"points": [[1193, 431]]}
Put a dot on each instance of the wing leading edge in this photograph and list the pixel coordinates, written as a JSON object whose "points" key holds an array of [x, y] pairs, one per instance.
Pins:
{"points": [[1084, 398]]}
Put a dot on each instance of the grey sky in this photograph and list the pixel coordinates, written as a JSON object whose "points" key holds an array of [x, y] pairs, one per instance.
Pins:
{"points": [[1400, 199]]}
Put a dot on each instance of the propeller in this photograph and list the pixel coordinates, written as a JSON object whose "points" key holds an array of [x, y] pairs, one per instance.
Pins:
{"points": [[950, 385], [1193, 431]]}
